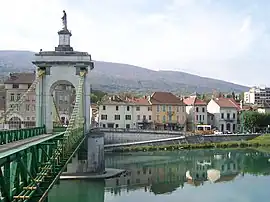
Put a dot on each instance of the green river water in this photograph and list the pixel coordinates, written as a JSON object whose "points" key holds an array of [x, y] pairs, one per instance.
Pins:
{"points": [[189, 176]]}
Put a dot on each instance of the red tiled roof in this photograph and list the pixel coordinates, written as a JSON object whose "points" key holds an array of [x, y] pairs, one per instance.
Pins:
{"points": [[21, 78], [194, 101], [165, 98], [141, 101], [227, 103]]}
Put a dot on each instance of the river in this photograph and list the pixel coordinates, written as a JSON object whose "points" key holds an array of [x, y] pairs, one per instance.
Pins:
{"points": [[198, 175]]}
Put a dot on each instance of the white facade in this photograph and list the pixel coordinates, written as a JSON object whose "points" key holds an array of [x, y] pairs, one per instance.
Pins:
{"points": [[122, 115], [197, 114], [225, 118], [257, 95]]}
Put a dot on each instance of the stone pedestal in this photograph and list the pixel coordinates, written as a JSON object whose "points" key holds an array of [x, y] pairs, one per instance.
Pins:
{"points": [[95, 153]]}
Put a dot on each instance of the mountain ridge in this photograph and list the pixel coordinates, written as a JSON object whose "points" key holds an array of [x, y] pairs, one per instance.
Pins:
{"points": [[115, 77]]}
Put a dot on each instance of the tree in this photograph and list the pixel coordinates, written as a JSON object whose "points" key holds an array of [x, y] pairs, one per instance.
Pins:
{"points": [[233, 95], [254, 120]]}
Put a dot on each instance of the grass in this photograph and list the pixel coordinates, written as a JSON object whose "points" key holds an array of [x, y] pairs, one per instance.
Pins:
{"points": [[261, 143]]}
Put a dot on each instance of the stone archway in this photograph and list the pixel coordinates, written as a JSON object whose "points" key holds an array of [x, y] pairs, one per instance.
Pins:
{"points": [[44, 104]]}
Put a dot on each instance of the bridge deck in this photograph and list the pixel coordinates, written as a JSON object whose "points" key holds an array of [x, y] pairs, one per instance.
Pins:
{"points": [[13, 147]]}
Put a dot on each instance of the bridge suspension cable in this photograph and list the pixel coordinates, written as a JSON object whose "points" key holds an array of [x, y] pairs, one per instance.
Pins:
{"points": [[11, 109], [56, 111], [74, 130]]}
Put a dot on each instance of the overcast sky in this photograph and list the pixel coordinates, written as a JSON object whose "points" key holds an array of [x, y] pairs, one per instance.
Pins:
{"points": [[225, 39]]}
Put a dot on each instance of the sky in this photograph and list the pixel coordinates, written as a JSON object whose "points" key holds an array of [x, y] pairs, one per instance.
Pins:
{"points": [[224, 39]]}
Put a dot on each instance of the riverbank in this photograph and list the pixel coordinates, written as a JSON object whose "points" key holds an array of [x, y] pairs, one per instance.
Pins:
{"points": [[261, 143]]}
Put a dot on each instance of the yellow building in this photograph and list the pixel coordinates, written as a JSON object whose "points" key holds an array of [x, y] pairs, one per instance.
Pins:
{"points": [[168, 110]]}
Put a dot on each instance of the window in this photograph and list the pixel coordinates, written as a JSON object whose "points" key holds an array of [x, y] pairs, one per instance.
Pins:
{"points": [[163, 108], [33, 108], [157, 117], [157, 108], [177, 108], [138, 117], [197, 118], [233, 115], [137, 108], [170, 108], [200, 117], [150, 117], [128, 107], [222, 115], [127, 125], [150, 108], [228, 116], [33, 118], [203, 117], [12, 97], [116, 117], [116, 108], [104, 107], [103, 117], [197, 109], [233, 127], [15, 85], [27, 107], [116, 125], [104, 125], [144, 117], [222, 127], [170, 118], [128, 117], [18, 97], [28, 118], [203, 109], [177, 118], [164, 118]]}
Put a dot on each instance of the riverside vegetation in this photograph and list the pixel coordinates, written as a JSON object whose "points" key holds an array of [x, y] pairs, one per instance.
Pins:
{"points": [[261, 143]]}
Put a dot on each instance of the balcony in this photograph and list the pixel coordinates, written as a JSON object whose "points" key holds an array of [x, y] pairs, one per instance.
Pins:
{"points": [[230, 120]]}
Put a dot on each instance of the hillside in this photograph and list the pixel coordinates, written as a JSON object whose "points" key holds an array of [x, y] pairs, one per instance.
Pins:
{"points": [[115, 77]]}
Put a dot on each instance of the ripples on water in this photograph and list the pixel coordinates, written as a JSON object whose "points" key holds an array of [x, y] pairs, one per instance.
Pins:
{"points": [[201, 175]]}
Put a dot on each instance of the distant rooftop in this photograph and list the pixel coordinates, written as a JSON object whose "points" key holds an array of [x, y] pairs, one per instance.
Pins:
{"points": [[21, 78]]}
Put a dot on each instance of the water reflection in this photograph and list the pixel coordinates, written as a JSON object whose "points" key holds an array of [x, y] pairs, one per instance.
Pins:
{"points": [[166, 172], [162, 173]]}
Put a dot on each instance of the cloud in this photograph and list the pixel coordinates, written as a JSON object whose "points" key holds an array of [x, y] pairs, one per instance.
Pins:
{"points": [[210, 38]]}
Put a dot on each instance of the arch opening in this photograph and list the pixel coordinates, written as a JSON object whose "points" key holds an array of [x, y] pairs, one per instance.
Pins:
{"points": [[15, 122], [63, 99]]}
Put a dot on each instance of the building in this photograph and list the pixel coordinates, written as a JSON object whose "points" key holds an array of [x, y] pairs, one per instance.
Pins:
{"points": [[24, 113], [257, 95], [64, 96], [116, 112], [225, 111], [196, 110], [168, 111]]}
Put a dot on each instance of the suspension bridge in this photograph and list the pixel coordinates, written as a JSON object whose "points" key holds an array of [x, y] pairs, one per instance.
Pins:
{"points": [[32, 159]]}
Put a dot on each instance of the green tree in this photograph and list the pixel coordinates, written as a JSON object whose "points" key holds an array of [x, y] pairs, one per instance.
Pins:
{"points": [[233, 95], [255, 120]]}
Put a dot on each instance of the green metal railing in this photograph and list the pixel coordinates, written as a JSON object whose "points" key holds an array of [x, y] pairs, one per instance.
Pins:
{"points": [[29, 171], [8, 136]]}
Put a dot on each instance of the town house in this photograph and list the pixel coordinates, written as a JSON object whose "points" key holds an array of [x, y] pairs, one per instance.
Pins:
{"points": [[116, 112], [225, 111], [168, 111], [196, 110]]}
